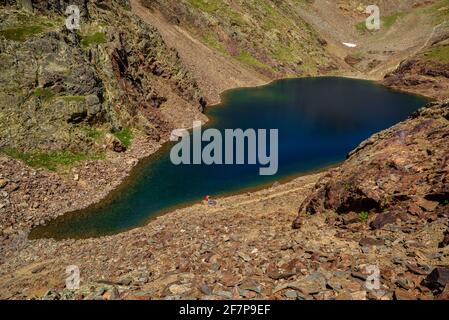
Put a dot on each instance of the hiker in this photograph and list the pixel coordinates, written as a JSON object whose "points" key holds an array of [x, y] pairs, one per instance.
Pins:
{"points": [[210, 202]]}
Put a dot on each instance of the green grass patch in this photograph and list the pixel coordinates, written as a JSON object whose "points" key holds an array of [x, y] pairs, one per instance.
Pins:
{"points": [[45, 94], [51, 161], [440, 54], [440, 11], [363, 216], [21, 33], [125, 136], [94, 133], [93, 39]]}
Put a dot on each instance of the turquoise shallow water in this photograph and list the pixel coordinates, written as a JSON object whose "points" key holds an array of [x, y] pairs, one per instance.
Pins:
{"points": [[320, 120]]}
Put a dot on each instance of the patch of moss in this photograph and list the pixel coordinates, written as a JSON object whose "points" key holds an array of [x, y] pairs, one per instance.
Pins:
{"points": [[386, 22], [363, 216], [94, 133], [51, 161], [93, 39], [440, 11], [204, 5], [248, 59], [73, 98], [21, 33], [284, 54], [125, 136], [211, 40]]}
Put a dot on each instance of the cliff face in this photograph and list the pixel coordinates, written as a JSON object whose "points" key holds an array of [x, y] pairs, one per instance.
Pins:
{"points": [[399, 173], [64, 90]]}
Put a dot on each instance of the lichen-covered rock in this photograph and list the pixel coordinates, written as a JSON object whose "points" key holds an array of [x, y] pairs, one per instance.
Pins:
{"points": [[398, 172]]}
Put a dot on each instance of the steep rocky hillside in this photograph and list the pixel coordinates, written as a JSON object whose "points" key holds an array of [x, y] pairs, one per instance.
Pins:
{"points": [[268, 36], [67, 95]]}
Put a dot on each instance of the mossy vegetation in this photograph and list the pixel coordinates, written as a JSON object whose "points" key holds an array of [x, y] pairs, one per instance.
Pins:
{"points": [[439, 54], [46, 94], [386, 22], [363, 216], [21, 33], [93, 39], [25, 26], [125, 136], [51, 161]]}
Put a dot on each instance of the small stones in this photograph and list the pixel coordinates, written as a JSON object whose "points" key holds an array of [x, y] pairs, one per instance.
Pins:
{"points": [[291, 294]]}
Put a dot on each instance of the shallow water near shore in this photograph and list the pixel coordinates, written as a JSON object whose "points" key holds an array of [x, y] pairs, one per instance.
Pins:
{"points": [[320, 120]]}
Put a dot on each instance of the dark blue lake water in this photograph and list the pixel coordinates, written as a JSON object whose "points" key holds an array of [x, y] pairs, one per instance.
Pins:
{"points": [[320, 120]]}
